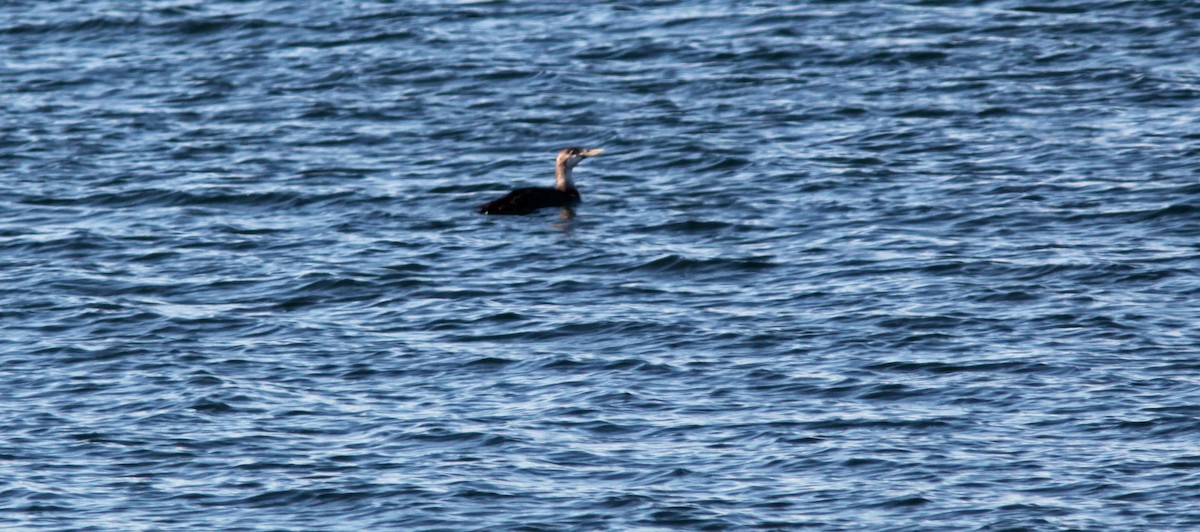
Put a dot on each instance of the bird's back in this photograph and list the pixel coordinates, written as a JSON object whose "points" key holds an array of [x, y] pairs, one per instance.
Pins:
{"points": [[527, 200]]}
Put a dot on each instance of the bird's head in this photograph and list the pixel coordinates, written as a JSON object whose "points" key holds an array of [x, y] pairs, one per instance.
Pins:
{"points": [[569, 157]]}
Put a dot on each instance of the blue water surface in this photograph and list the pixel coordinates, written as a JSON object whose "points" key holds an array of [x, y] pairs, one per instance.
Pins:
{"points": [[912, 265]]}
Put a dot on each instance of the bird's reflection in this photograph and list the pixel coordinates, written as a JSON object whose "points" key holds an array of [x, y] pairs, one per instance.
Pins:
{"points": [[566, 220]]}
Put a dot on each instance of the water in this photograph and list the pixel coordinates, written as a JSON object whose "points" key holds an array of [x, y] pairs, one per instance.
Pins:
{"points": [[843, 265]]}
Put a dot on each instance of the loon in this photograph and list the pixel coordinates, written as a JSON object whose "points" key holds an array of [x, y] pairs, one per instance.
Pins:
{"points": [[564, 193]]}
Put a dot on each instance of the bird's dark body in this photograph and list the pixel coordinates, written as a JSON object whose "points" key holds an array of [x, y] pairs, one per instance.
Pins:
{"points": [[527, 200], [564, 193]]}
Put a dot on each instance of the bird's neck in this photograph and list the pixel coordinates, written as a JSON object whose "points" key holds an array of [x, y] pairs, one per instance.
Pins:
{"points": [[562, 178]]}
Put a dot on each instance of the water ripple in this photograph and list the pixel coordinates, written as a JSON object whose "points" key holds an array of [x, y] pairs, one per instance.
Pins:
{"points": [[843, 265]]}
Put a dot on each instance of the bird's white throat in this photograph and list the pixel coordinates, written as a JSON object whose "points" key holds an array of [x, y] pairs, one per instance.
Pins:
{"points": [[562, 177]]}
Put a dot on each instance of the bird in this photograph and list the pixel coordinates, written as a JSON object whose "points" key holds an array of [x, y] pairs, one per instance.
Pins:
{"points": [[564, 193]]}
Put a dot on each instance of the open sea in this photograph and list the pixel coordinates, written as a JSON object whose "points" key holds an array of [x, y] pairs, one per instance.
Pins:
{"points": [[843, 265]]}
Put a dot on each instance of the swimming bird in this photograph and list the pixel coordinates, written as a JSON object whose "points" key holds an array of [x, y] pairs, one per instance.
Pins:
{"points": [[564, 193]]}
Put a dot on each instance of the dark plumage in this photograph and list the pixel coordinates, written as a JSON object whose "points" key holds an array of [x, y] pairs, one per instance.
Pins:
{"points": [[527, 200]]}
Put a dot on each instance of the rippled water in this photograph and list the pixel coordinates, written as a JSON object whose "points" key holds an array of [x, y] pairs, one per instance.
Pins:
{"points": [[844, 265]]}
